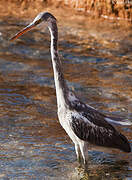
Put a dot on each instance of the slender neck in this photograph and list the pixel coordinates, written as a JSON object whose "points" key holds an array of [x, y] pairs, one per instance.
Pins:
{"points": [[60, 84]]}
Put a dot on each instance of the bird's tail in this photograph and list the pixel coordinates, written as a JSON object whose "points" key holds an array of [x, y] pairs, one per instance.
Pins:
{"points": [[123, 144]]}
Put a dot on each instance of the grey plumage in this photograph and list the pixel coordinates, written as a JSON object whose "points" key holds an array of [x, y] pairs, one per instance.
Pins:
{"points": [[96, 130], [103, 134]]}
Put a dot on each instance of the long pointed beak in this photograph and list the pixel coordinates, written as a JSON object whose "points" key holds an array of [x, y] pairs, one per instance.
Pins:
{"points": [[26, 29]]}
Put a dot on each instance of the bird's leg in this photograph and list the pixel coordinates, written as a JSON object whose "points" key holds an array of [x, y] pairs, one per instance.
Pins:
{"points": [[78, 153], [84, 152]]}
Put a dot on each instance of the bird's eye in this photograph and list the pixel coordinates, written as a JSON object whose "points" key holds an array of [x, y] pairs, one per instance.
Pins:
{"points": [[38, 22]]}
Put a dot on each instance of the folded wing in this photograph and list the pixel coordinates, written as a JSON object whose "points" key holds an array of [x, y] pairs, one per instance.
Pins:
{"points": [[98, 132]]}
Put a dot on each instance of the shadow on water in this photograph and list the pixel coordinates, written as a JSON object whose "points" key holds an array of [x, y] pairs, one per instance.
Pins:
{"points": [[32, 142]]}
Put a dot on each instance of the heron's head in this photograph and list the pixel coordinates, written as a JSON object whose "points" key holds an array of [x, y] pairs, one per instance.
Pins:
{"points": [[41, 17]]}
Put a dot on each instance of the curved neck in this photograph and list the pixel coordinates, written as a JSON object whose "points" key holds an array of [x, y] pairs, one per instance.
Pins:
{"points": [[60, 84]]}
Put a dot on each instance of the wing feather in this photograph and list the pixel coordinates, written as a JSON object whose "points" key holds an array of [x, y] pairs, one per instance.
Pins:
{"points": [[100, 136], [92, 126]]}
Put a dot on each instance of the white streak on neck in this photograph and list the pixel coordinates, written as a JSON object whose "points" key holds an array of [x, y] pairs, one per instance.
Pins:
{"points": [[59, 91]]}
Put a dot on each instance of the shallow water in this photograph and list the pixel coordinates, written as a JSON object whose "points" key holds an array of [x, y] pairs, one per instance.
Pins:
{"points": [[33, 145]]}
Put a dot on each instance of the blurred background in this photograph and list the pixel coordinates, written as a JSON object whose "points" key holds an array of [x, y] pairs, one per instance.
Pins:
{"points": [[95, 46]]}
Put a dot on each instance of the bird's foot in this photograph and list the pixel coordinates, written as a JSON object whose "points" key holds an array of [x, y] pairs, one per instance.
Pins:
{"points": [[87, 164]]}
